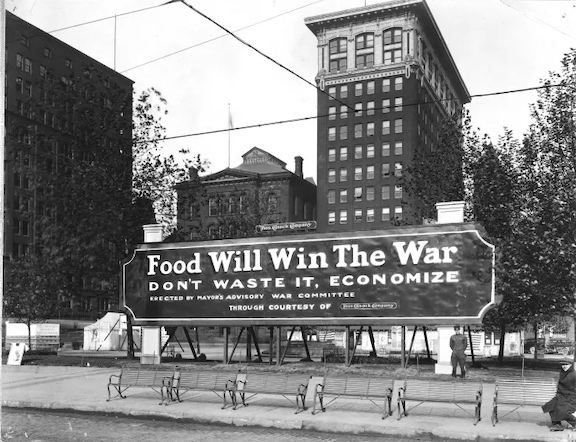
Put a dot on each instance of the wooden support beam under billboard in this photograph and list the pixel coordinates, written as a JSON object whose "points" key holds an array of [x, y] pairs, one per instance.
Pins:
{"points": [[270, 345], [403, 347], [254, 336], [226, 336], [278, 346], [427, 346], [235, 345], [190, 343], [372, 341], [471, 346], [347, 347], [304, 333], [287, 344]]}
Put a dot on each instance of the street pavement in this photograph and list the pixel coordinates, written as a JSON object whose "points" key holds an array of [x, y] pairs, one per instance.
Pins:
{"points": [[84, 389]]}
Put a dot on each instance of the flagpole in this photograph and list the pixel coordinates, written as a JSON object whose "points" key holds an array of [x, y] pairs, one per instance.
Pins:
{"points": [[229, 130]]}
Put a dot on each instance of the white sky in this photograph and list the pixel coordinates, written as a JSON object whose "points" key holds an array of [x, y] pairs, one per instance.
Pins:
{"points": [[498, 45]]}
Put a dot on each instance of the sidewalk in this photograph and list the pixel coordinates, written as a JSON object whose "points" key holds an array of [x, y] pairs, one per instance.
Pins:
{"points": [[84, 389]]}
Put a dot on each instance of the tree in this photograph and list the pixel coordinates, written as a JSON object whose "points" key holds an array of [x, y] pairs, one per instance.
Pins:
{"points": [[31, 293]]}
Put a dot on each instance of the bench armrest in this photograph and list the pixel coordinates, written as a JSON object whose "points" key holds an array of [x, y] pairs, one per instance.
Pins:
{"points": [[114, 376]]}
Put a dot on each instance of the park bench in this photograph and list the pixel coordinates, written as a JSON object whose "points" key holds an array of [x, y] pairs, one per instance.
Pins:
{"points": [[521, 392], [143, 376], [285, 385], [455, 392], [355, 387], [183, 381]]}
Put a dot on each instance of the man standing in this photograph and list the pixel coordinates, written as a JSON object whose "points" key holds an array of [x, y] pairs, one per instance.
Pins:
{"points": [[458, 344]]}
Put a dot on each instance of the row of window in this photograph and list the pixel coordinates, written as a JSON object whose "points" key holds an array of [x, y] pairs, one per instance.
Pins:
{"points": [[360, 193], [370, 110], [25, 64], [364, 50], [361, 152], [361, 130], [21, 227], [360, 175], [369, 215], [386, 83]]}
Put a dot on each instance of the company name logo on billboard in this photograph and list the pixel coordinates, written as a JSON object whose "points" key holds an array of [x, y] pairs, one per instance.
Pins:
{"points": [[278, 227], [409, 275]]}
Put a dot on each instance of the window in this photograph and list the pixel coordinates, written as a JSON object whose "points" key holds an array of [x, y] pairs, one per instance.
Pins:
{"points": [[386, 149], [23, 63], [232, 205], [69, 64], [43, 71], [392, 43], [398, 212], [25, 40], [370, 108], [398, 83], [19, 85], [358, 194], [385, 127], [213, 207], [385, 213], [398, 169], [337, 49], [358, 89], [358, 215], [358, 110], [369, 193], [343, 153], [370, 151], [47, 52], [344, 91], [358, 130], [272, 203], [331, 218], [370, 172], [343, 195], [331, 134], [386, 105], [343, 132], [358, 173], [365, 50], [398, 126], [398, 148], [331, 93], [385, 170], [369, 215], [343, 112], [343, 216], [370, 87], [398, 104], [357, 152], [27, 88], [332, 113], [386, 85], [331, 196], [343, 174], [331, 175], [398, 192], [331, 155], [370, 129], [386, 192]]}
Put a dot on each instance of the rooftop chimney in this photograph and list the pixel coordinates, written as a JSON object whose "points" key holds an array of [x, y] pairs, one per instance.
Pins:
{"points": [[298, 166]]}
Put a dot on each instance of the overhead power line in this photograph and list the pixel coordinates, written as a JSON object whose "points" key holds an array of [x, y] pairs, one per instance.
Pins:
{"points": [[298, 119], [220, 36], [255, 49]]}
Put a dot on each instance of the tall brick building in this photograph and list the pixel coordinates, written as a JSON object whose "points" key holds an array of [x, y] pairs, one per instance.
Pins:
{"points": [[62, 108], [231, 202], [387, 82]]}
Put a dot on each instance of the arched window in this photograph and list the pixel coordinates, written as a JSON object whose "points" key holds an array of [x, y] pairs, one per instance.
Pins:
{"points": [[365, 50], [392, 45], [338, 53]]}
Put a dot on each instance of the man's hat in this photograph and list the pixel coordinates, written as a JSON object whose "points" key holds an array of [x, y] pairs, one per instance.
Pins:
{"points": [[456, 327], [566, 362]]}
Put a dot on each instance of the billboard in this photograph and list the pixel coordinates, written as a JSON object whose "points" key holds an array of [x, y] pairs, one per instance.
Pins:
{"points": [[414, 275]]}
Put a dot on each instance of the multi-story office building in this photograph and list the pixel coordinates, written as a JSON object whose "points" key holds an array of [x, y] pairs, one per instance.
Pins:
{"points": [[232, 202], [387, 83], [62, 108]]}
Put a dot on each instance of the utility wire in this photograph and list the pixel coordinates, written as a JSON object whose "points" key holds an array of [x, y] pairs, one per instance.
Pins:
{"points": [[219, 37], [257, 50], [294, 120]]}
